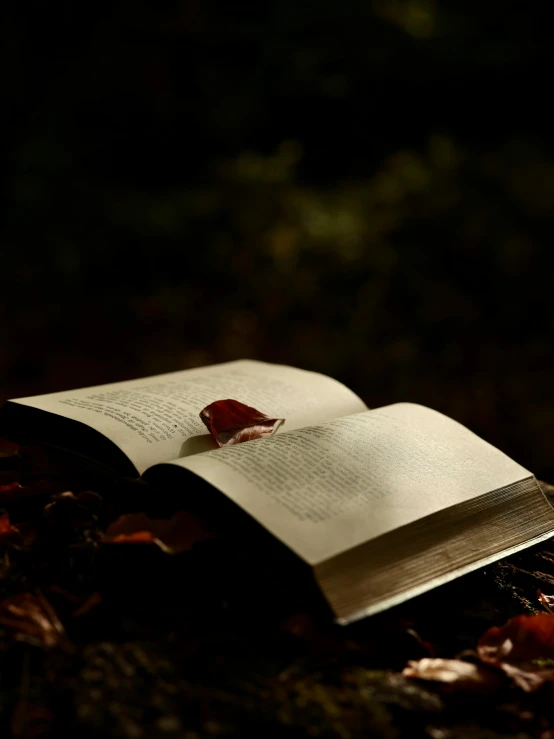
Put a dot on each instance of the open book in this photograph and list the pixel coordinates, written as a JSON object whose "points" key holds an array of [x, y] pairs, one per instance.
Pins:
{"points": [[383, 504]]}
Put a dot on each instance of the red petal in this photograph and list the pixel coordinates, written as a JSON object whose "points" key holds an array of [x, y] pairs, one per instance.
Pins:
{"points": [[231, 422], [523, 648]]}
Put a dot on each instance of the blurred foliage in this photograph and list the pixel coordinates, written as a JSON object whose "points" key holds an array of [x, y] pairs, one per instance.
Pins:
{"points": [[364, 189]]}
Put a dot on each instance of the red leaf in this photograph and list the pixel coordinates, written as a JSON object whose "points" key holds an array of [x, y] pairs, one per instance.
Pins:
{"points": [[455, 673], [523, 648], [31, 619], [172, 535], [231, 422]]}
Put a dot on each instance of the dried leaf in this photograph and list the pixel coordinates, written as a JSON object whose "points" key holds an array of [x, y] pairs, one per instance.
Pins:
{"points": [[455, 673], [91, 602], [547, 601], [9, 488], [5, 524], [523, 648], [318, 635], [231, 422], [138, 537], [8, 477], [31, 721], [9, 452], [425, 645], [77, 511], [9, 534], [16, 491], [31, 619], [177, 534]]}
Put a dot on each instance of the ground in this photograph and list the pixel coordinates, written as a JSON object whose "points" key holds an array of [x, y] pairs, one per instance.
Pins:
{"points": [[106, 637]]}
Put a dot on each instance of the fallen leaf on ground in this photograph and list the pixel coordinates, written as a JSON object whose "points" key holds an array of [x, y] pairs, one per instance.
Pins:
{"points": [[16, 491], [31, 721], [455, 673], [427, 646], [31, 619], [77, 511], [91, 602], [5, 524], [546, 600], [177, 534], [523, 648], [138, 537], [8, 489], [9, 453], [8, 477], [318, 636], [231, 422], [9, 534]]}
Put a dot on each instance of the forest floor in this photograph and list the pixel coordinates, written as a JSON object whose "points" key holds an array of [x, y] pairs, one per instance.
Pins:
{"points": [[124, 614]]}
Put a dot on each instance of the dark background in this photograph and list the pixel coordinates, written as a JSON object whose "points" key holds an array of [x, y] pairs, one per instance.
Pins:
{"points": [[363, 189]]}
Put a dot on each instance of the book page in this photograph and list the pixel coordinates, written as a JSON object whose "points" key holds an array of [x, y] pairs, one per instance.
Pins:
{"points": [[330, 487], [156, 419]]}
